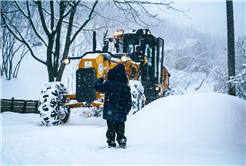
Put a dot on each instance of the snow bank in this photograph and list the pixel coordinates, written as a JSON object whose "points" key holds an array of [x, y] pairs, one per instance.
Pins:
{"points": [[197, 129], [204, 117]]}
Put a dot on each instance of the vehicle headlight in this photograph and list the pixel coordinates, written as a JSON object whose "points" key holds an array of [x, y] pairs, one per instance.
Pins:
{"points": [[123, 58], [116, 33], [157, 88], [66, 61], [119, 33]]}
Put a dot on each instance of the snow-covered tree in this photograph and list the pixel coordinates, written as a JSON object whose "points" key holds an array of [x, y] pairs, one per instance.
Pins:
{"points": [[220, 74], [240, 79], [192, 57]]}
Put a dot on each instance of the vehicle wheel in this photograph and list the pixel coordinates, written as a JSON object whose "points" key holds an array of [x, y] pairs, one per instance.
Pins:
{"points": [[138, 97], [52, 104], [168, 92]]}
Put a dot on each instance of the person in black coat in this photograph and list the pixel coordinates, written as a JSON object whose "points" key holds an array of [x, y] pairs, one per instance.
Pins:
{"points": [[117, 103]]}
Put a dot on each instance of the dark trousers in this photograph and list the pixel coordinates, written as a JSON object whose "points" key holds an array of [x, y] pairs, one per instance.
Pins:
{"points": [[115, 127]]}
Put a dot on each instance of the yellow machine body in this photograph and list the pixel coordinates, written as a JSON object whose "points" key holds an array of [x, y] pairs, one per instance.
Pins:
{"points": [[101, 66], [101, 62]]}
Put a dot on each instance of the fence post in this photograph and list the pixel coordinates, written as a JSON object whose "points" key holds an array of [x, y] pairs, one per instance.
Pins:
{"points": [[12, 104], [36, 106], [24, 107]]}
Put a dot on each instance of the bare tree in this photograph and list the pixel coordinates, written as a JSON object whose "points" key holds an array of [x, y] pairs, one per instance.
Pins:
{"points": [[9, 50], [240, 79], [10, 47], [241, 44], [55, 25], [194, 58]]}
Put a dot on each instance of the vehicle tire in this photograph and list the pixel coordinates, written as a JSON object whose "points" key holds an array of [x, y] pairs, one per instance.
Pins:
{"points": [[52, 104], [138, 97], [168, 92]]}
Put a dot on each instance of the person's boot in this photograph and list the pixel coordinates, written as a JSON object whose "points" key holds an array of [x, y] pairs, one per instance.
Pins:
{"points": [[111, 144], [122, 143]]}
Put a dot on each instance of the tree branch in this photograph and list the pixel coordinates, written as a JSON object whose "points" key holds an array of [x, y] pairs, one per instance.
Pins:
{"points": [[52, 14], [32, 24], [22, 11], [22, 38], [85, 23], [42, 18], [17, 67]]}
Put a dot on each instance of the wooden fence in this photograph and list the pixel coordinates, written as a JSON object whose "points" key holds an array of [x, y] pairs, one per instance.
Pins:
{"points": [[20, 106]]}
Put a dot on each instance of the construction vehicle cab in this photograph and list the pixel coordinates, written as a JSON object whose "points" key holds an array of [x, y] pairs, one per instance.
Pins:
{"points": [[150, 68]]}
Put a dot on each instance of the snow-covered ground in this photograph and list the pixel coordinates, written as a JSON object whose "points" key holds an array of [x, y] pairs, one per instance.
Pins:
{"points": [[200, 129]]}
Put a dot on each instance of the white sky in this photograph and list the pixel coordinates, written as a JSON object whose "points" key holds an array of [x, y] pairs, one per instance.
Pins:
{"points": [[210, 16]]}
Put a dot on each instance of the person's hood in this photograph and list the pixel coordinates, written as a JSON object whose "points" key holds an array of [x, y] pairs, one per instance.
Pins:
{"points": [[118, 73]]}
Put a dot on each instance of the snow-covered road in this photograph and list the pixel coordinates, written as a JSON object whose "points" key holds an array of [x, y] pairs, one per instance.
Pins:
{"points": [[206, 129]]}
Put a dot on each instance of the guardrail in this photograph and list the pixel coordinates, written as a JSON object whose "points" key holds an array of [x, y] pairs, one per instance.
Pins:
{"points": [[20, 106]]}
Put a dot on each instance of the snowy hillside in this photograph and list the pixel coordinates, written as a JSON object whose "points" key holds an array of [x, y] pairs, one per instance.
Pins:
{"points": [[205, 128]]}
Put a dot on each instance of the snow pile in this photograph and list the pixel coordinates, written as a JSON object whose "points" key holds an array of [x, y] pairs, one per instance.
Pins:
{"points": [[204, 117], [201, 129], [138, 97]]}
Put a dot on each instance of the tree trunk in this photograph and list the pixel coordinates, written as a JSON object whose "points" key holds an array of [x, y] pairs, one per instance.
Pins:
{"points": [[67, 44], [50, 67]]}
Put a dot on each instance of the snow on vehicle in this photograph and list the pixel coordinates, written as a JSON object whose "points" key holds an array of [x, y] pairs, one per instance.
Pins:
{"points": [[146, 72]]}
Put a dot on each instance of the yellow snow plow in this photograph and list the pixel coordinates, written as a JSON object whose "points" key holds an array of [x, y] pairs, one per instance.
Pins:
{"points": [[143, 57]]}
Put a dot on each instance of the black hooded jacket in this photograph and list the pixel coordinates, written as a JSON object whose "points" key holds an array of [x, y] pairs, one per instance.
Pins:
{"points": [[117, 94]]}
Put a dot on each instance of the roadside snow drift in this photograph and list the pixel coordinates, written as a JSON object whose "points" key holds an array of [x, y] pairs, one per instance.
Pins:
{"points": [[208, 118], [187, 129]]}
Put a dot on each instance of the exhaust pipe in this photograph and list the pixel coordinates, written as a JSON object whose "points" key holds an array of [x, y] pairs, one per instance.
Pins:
{"points": [[94, 41]]}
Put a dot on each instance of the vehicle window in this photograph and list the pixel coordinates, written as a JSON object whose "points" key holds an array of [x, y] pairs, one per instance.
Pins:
{"points": [[160, 59], [149, 54], [132, 48], [155, 63]]}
